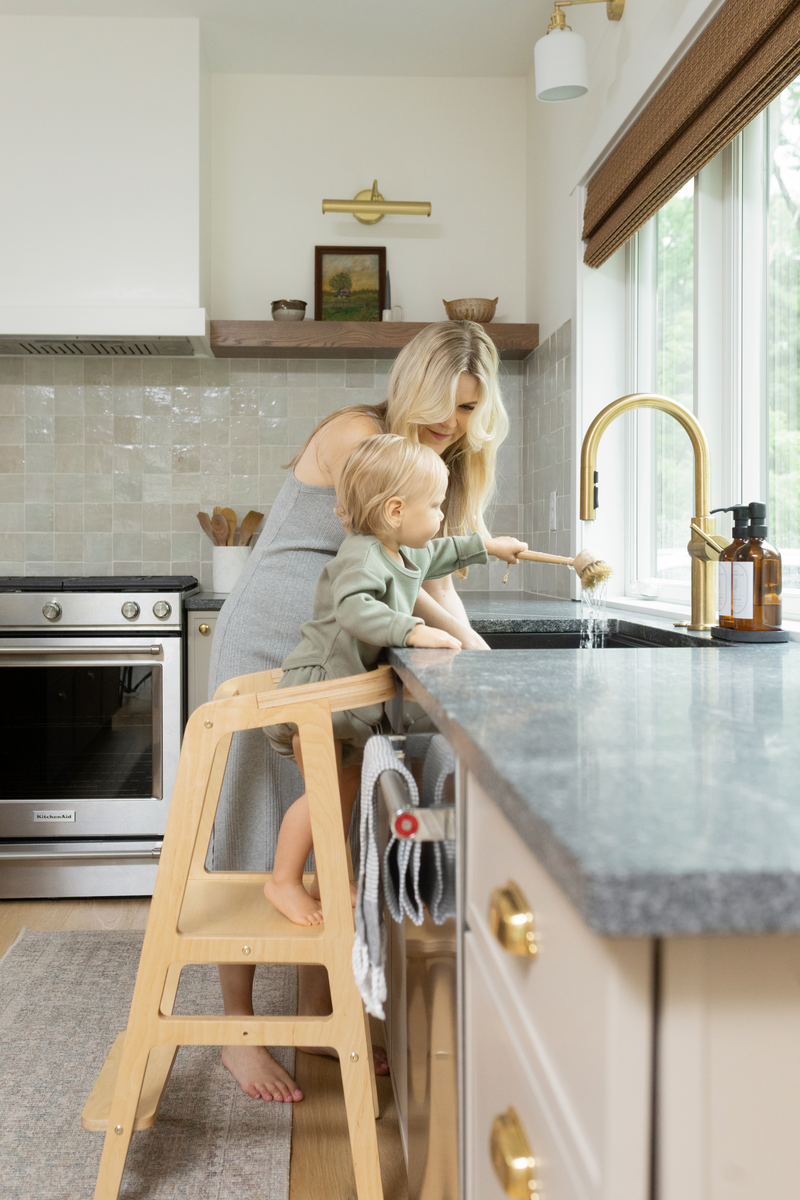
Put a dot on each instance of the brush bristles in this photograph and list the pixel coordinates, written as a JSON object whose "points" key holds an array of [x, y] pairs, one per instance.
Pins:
{"points": [[595, 573]]}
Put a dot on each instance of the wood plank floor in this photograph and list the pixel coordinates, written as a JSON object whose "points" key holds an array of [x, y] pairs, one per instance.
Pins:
{"points": [[321, 1162]]}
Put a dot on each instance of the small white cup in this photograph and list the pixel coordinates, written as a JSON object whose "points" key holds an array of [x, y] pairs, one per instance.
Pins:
{"points": [[386, 314], [228, 563]]}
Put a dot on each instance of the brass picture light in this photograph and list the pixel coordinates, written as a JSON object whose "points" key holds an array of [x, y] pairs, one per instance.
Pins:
{"points": [[368, 207]]}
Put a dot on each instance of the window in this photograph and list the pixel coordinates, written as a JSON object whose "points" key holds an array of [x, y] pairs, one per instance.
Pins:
{"points": [[783, 342], [714, 280]]}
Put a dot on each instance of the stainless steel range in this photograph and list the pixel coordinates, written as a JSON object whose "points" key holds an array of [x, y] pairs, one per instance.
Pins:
{"points": [[92, 689]]}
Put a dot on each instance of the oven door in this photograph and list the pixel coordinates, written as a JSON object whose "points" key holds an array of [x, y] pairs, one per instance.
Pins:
{"points": [[92, 730]]}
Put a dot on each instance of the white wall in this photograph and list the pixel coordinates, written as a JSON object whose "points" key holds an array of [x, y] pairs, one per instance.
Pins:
{"points": [[628, 60], [99, 208], [282, 143]]}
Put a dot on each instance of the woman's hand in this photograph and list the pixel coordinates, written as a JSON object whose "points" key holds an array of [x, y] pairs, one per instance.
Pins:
{"points": [[423, 637], [506, 548]]}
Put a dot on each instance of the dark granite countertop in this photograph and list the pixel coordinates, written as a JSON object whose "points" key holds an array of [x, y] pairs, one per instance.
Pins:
{"points": [[660, 787], [205, 601]]}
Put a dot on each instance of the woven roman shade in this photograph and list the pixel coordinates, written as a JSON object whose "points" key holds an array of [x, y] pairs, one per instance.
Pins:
{"points": [[744, 58]]}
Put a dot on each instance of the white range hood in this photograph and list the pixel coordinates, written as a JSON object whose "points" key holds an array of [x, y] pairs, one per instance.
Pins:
{"points": [[100, 209]]}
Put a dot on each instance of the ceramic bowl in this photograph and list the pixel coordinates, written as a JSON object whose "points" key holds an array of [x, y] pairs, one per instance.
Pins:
{"points": [[288, 310], [474, 309]]}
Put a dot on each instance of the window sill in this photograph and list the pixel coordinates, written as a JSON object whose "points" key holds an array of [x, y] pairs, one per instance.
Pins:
{"points": [[677, 612]]}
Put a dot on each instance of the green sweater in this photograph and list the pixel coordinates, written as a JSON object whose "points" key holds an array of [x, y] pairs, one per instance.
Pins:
{"points": [[365, 599]]}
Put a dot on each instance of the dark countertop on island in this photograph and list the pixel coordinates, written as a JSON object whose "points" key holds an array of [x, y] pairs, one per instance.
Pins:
{"points": [[660, 787]]}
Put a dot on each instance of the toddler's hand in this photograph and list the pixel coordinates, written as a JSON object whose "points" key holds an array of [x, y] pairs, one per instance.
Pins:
{"points": [[428, 638], [506, 548]]}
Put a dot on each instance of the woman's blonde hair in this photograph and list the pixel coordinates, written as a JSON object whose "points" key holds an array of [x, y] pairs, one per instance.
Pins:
{"points": [[381, 467], [422, 391]]}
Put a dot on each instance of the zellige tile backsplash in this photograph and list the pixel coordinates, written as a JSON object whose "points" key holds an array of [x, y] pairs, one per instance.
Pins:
{"points": [[104, 463]]}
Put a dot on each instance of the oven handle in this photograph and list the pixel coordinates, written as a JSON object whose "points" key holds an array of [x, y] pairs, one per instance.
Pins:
{"points": [[26, 854], [80, 651]]}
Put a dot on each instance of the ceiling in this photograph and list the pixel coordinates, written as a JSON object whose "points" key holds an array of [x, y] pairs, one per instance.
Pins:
{"points": [[488, 38]]}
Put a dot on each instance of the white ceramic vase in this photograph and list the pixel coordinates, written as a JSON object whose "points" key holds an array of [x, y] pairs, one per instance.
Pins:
{"points": [[228, 563]]}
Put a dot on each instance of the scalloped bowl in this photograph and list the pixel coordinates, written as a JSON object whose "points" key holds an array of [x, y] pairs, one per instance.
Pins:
{"points": [[473, 309]]}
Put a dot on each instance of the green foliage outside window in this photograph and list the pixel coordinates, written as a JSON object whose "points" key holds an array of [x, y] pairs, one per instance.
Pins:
{"points": [[783, 336], [673, 465]]}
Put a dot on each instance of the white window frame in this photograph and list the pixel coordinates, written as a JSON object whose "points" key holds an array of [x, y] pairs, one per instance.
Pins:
{"points": [[730, 366]]}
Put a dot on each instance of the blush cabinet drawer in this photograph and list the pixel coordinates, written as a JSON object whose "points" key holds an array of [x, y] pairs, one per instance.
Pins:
{"points": [[581, 1009], [497, 1078]]}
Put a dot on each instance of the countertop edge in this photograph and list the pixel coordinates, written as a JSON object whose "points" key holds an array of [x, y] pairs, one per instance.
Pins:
{"points": [[646, 905]]}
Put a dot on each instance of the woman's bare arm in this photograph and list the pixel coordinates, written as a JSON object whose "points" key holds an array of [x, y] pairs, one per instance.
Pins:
{"points": [[439, 605]]}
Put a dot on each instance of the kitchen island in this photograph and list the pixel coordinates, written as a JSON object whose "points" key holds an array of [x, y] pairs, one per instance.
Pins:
{"points": [[645, 801]]}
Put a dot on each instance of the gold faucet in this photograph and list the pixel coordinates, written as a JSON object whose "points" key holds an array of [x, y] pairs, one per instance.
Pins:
{"points": [[704, 544]]}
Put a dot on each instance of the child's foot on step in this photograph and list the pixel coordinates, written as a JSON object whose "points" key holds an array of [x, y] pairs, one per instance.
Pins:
{"points": [[294, 902], [259, 1075], [313, 890]]}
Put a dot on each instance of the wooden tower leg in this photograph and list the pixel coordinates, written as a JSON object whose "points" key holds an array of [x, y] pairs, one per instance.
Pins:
{"points": [[375, 1102], [123, 1111], [357, 1083]]}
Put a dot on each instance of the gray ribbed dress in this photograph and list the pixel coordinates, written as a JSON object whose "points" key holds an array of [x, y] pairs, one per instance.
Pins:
{"points": [[257, 626]]}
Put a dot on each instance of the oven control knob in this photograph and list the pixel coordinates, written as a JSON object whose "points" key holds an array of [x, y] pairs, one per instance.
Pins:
{"points": [[162, 609], [130, 610], [52, 610]]}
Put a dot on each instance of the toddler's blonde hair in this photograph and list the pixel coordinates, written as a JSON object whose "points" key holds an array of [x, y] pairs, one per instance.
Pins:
{"points": [[381, 467]]}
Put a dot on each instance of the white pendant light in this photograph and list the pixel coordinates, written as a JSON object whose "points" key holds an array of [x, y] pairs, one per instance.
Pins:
{"points": [[560, 64], [560, 57]]}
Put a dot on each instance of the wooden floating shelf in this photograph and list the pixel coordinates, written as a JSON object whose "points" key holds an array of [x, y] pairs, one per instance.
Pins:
{"points": [[345, 339]]}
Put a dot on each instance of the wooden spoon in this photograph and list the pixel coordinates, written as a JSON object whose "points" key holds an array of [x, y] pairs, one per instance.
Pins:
{"points": [[220, 528], [230, 517], [249, 526], [205, 523]]}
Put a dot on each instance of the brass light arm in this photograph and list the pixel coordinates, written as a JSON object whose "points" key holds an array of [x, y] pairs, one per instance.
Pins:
{"points": [[369, 206], [614, 11], [704, 526]]}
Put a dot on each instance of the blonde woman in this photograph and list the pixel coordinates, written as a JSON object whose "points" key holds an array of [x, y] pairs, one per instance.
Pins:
{"points": [[444, 393]]}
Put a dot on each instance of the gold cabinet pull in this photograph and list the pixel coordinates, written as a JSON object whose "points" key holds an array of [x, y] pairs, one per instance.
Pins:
{"points": [[511, 921], [204, 629], [513, 1163]]}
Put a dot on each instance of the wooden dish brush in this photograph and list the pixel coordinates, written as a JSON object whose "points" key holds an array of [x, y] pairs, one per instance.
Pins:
{"points": [[590, 569]]}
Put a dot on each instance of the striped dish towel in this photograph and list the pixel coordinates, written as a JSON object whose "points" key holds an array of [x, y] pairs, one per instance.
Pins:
{"points": [[369, 946]]}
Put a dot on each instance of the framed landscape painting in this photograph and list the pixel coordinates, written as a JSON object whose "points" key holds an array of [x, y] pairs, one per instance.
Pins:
{"points": [[349, 283]]}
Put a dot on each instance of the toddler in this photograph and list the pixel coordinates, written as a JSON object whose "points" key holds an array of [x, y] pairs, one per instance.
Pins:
{"points": [[390, 496]]}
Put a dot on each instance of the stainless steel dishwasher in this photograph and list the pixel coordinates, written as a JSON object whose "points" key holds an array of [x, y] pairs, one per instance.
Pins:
{"points": [[424, 1004]]}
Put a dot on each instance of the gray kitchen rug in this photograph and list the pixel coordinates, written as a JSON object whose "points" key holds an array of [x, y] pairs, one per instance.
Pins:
{"points": [[64, 997]]}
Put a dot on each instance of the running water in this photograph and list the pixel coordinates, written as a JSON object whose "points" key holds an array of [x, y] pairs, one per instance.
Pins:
{"points": [[594, 621]]}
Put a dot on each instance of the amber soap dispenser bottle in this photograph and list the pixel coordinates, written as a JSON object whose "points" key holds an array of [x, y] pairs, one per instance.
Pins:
{"points": [[755, 586], [756, 580], [741, 517]]}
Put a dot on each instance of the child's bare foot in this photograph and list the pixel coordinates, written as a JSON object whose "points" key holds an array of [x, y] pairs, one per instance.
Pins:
{"points": [[294, 902], [259, 1075], [313, 890]]}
